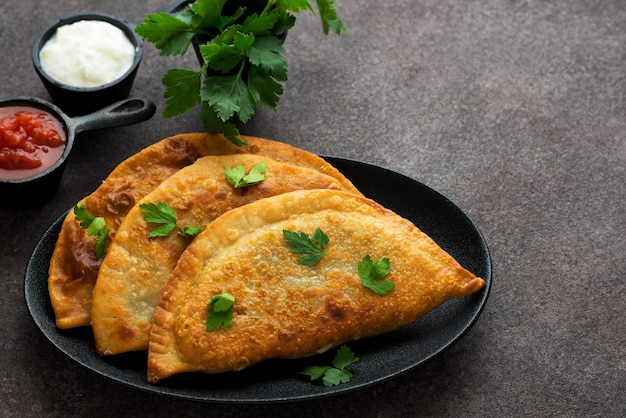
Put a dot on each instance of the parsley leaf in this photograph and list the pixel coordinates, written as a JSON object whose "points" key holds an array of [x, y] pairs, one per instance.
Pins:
{"points": [[312, 249], [265, 53], [264, 88], [238, 178], [330, 18], [95, 227], [242, 58], [191, 231], [220, 312], [336, 374], [210, 13], [213, 123], [226, 56], [295, 5], [228, 95], [168, 33], [164, 215], [371, 272], [183, 91], [260, 24]]}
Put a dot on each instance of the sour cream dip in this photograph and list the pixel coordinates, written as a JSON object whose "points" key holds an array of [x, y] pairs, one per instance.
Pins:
{"points": [[87, 53]]}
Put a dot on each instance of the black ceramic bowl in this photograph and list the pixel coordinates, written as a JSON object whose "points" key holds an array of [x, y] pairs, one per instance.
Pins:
{"points": [[36, 189], [81, 100]]}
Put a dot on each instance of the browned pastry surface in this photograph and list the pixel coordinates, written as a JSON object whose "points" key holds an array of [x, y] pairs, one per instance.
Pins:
{"points": [[136, 266], [284, 309], [74, 266]]}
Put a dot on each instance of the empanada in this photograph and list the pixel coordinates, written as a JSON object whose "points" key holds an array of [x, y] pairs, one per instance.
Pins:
{"points": [[136, 266], [284, 309], [74, 266]]}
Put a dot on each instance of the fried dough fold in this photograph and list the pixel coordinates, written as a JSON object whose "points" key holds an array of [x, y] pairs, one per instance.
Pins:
{"points": [[284, 309], [74, 267], [136, 265]]}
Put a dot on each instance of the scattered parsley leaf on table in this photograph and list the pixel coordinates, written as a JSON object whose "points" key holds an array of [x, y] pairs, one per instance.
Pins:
{"points": [[95, 227], [336, 374], [312, 249], [238, 178], [372, 271], [164, 215], [220, 312]]}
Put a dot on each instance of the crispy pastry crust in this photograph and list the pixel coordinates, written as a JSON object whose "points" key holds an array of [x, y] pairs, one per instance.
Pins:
{"points": [[136, 266], [282, 308], [74, 267]]}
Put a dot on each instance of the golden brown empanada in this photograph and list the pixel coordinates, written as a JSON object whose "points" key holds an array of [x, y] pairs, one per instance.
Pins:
{"points": [[284, 309], [136, 266], [74, 266]]}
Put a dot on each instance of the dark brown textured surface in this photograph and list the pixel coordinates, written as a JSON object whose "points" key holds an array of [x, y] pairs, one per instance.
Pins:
{"points": [[514, 109]]}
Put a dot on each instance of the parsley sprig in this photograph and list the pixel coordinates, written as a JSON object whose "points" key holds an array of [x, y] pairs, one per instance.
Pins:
{"points": [[312, 249], [372, 271], [243, 58], [164, 215], [238, 178], [95, 226], [338, 372], [220, 312]]}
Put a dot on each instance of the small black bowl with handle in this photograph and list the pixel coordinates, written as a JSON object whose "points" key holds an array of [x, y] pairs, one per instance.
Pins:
{"points": [[37, 189]]}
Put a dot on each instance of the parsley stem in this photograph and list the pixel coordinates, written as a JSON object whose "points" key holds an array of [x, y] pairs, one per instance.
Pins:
{"points": [[268, 6], [238, 77], [241, 67]]}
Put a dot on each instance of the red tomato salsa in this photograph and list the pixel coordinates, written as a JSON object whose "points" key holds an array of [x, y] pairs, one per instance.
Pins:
{"points": [[31, 140]]}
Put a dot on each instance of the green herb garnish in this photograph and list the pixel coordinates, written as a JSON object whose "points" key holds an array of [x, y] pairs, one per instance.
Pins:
{"points": [[237, 176], [371, 273], [164, 215], [243, 61], [312, 249], [332, 376], [95, 227], [220, 312]]}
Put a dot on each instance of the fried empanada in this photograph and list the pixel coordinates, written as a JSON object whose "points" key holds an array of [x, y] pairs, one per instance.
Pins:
{"points": [[74, 266], [284, 309], [136, 266]]}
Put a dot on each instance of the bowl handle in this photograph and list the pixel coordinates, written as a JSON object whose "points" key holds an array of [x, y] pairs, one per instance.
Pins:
{"points": [[124, 112]]}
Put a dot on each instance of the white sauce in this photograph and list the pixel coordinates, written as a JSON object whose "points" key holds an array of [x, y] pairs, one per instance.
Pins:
{"points": [[87, 53]]}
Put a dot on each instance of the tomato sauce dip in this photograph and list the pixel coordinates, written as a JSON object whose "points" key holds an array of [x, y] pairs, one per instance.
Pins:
{"points": [[31, 140]]}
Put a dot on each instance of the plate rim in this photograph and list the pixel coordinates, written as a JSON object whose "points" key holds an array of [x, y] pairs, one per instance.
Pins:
{"points": [[335, 390]]}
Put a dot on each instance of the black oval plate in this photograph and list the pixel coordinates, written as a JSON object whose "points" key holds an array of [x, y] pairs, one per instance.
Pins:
{"points": [[381, 357]]}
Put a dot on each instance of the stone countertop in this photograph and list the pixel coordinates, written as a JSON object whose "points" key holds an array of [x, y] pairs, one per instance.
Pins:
{"points": [[516, 110]]}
